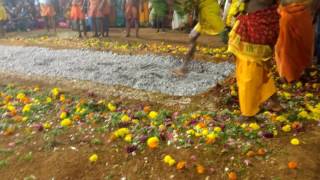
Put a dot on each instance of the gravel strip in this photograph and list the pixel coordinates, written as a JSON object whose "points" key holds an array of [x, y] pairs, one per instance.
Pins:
{"points": [[146, 72]]}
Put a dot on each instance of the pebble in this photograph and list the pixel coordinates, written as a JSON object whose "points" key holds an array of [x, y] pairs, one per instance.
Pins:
{"points": [[146, 72]]}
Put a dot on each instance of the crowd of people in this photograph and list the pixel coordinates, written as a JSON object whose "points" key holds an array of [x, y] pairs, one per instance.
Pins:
{"points": [[259, 31]]}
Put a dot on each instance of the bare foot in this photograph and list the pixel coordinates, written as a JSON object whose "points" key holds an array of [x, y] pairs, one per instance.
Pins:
{"points": [[181, 71], [274, 106]]}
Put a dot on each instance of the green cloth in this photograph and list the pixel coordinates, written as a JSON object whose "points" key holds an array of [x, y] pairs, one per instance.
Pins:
{"points": [[159, 8]]}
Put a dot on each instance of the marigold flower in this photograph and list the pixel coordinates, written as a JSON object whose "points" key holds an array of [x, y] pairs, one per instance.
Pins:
{"points": [[26, 108], [232, 176], [63, 115], [254, 126], [122, 132], [169, 160], [62, 98], [286, 128], [292, 165], [66, 123], [200, 169], [48, 100], [211, 138], [112, 107], [217, 129], [295, 141], [125, 118], [181, 165], [153, 115], [128, 138], [93, 158], [55, 92], [153, 142]]}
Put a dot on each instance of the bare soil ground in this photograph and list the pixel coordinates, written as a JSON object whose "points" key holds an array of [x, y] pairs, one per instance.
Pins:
{"points": [[30, 157]]}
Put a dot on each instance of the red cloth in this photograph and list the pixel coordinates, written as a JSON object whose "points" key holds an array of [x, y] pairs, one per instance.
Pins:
{"points": [[260, 27]]}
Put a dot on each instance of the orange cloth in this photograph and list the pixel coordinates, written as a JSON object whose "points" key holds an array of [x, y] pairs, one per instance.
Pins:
{"points": [[294, 48], [76, 13], [94, 10], [47, 10]]}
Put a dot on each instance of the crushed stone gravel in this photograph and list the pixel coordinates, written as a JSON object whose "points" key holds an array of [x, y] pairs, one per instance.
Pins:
{"points": [[147, 72]]}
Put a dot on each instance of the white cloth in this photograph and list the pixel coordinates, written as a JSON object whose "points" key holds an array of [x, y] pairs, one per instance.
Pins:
{"points": [[178, 21], [226, 10]]}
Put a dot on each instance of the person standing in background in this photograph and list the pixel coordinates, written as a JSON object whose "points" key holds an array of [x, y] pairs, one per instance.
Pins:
{"points": [[294, 50], [106, 10], [131, 8], [48, 12], [3, 18], [77, 14], [159, 10], [95, 13]]}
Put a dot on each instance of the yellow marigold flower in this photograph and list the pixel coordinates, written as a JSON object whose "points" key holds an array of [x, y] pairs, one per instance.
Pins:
{"points": [[211, 138], [26, 108], [48, 100], [21, 96], [254, 126], [83, 111], [304, 115], [121, 132], [63, 115], [275, 133], [195, 115], [11, 108], [217, 129], [153, 115], [309, 95], [24, 119], [169, 160], [153, 142], [191, 132], [55, 92], [135, 121], [295, 141], [112, 107], [66, 123], [281, 118], [62, 98], [128, 138], [286, 128], [125, 118], [299, 84], [205, 132], [93, 158], [47, 125], [36, 89], [234, 93], [244, 125], [162, 127]]}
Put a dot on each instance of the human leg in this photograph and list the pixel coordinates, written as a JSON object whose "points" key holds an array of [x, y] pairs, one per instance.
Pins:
{"points": [[78, 28], [182, 70]]}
